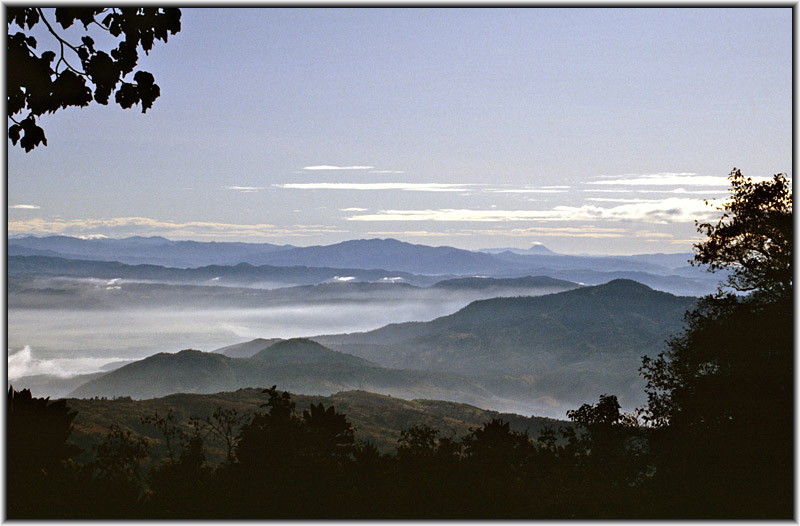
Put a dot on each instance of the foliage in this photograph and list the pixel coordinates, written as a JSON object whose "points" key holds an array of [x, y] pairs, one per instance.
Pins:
{"points": [[496, 443], [37, 86], [38, 430], [306, 465], [753, 237], [118, 456], [224, 423], [417, 442], [37, 453], [732, 340], [729, 373], [115, 478]]}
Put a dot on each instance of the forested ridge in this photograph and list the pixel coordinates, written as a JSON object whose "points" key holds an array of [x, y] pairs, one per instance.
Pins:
{"points": [[715, 439]]}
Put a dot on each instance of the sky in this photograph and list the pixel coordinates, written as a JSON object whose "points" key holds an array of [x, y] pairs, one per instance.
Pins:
{"points": [[588, 130]]}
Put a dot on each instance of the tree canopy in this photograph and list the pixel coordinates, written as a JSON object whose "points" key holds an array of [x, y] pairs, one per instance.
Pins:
{"points": [[44, 81], [753, 237], [721, 396]]}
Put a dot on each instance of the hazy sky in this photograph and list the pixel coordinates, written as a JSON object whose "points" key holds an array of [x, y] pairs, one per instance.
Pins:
{"points": [[587, 130]]}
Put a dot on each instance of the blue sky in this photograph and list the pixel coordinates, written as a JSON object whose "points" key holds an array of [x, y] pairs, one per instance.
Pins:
{"points": [[595, 130]]}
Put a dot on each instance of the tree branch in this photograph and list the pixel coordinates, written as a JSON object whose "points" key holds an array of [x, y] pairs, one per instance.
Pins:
{"points": [[62, 43]]}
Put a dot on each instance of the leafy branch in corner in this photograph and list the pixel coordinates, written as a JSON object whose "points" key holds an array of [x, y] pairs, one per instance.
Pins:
{"points": [[37, 85]]}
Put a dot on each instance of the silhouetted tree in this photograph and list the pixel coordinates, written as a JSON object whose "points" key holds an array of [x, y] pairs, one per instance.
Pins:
{"points": [[295, 466], [182, 486], [37, 454], [721, 396], [753, 237], [37, 85], [270, 438], [116, 480], [607, 429], [418, 442], [496, 442], [498, 462], [328, 433], [224, 424]]}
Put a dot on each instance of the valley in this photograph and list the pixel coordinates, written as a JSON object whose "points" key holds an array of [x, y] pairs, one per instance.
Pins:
{"points": [[425, 322]]}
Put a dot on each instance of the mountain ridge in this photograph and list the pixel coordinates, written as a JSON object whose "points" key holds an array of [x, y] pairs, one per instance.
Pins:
{"points": [[527, 353], [666, 271]]}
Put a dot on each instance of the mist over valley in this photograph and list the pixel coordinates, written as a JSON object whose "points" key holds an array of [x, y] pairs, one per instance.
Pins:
{"points": [[484, 334]]}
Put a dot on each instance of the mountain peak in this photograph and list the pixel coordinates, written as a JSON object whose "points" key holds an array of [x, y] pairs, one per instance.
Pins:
{"points": [[295, 343], [299, 351], [533, 250], [625, 285]]}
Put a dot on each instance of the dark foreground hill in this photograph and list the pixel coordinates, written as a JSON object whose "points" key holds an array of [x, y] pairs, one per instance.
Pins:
{"points": [[376, 418]]}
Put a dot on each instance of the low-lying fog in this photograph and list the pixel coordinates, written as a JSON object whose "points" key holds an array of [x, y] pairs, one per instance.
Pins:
{"points": [[74, 326], [136, 333]]}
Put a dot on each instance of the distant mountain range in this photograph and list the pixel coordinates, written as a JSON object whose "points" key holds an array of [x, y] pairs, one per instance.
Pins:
{"points": [[540, 250], [137, 250], [242, 274], [363, 260], [547, 332], [534, 355], [50, 283]]}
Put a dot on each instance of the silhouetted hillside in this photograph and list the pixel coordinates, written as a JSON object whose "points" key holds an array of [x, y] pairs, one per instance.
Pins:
{"points": [[377, 418], [299, 364]]}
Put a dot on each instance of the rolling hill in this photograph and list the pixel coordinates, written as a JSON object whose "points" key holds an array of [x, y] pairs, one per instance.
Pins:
{"points": [[621, 317], [533, 355], [299, 365], [376, 418]]}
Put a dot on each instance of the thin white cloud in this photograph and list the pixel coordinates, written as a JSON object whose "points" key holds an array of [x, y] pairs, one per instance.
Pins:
{"points": [[586, 231], [707, 192], [589, 231], [408, 187], [416, 233], [128, 226], [329, 167], [542, 190], [353, 209], [621, 200], [655, 174], [245, 188], [647, 234], [665, 179], [664, 211], [465, 188], [25, 207]]}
